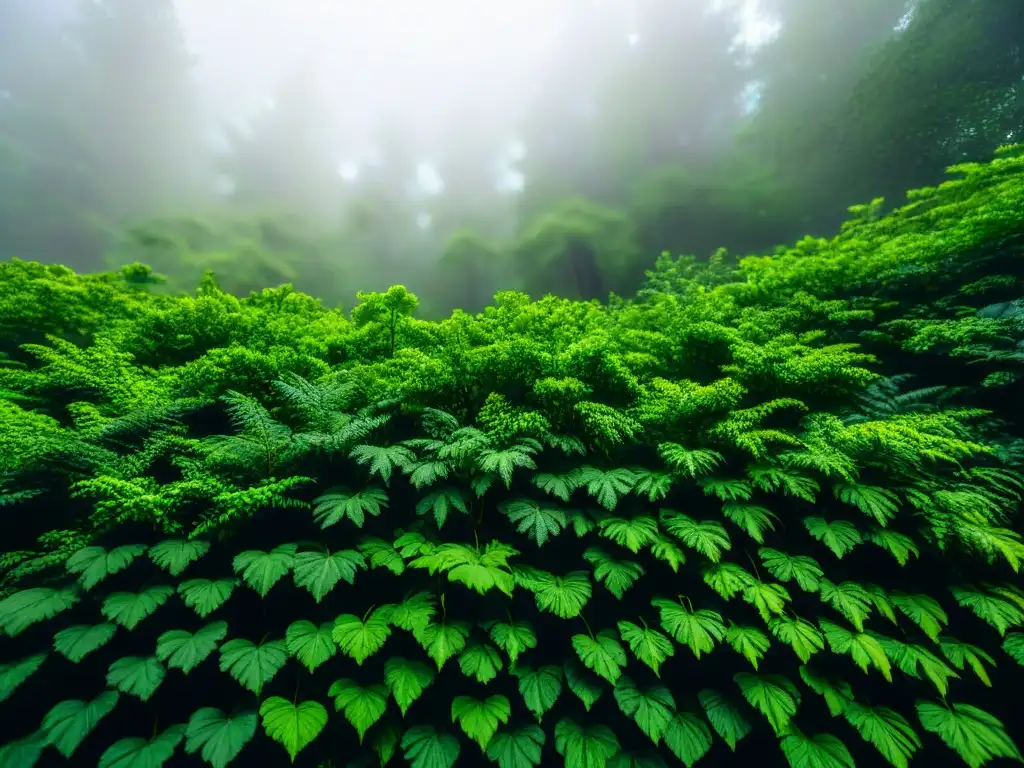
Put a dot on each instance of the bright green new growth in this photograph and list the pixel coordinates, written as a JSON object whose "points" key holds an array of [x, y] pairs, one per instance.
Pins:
{"points": [[714, 522]]}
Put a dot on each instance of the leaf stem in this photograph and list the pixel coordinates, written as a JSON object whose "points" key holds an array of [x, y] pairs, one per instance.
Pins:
{"points": [[587, 625]]}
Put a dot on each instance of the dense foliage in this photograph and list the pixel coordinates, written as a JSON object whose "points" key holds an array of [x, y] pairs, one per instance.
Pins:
{"points": [[762, 512]]}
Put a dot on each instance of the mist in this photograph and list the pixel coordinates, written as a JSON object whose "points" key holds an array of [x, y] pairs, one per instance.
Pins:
{"points": [[463, 148]]}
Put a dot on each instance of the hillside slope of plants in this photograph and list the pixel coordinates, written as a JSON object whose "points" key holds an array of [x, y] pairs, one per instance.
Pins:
{"points": [[765, 512]]}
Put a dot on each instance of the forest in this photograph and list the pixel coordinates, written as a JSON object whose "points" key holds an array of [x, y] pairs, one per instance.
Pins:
{"points": [[699, 453]]}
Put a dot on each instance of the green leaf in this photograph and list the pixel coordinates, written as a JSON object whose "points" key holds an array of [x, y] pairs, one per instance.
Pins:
{"points": [[77, 642], [887, 730], [559, 486], [914, 659], [650, 708], [999, 609], [383, 459], [707, 537], [698, 630], [130, 608], [725, 717], [589, 747], [30, 606], [799, 634], [136, 676], [407, 680], [443, 641], [822, 750], [850, 599], [413, 613], [616, 575], [602, 653], [262, 570], [666, 550], [513, 637], [359, 640], [251, 665], [93, 564], [1013, 645], [481, 662], [962, 654], [293, 726], [220, 737], [333, 507], [441, 503], [862, 647], [800, 568], [15, 673], [774, 696], [385, 742], [563, 596], [585, 684], [362, 705], [68, 723], [23, 753], [538, 523], [727, 579], [648, 645], [320, 571], [752, 519], [135, 752], [750, 642], [839, 536], [310, 644], [539, 688], [767, 598], [423, 747], [688, 738], [519, 748], [971, 732], [186, 651], [899, 545], [633, 534], [381, 554], [175, 555], [605, 487], [923, 611], [479, 720], [204, 596]]}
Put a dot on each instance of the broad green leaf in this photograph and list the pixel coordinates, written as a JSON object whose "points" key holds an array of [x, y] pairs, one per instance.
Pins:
{"points": [[15, 673], [616, 575], [320, 571], [588, 747], [94, 564], [707, 537], [601, 653], [519, 748], [838, 694], [136, 676], [481, 662], [362, 705], [539, 688], [559, 486], [634, 534], [799, 634], [887, 730], [822, 750], [77, 642], [850, 599], [666, 550], [862, 647], [333, 507], [30, 606], [999, 607], [412, 614], [804, 570], [423, 747], [563, 596], [293, 726], [407, 680], [360, 639], [383, 459], [839, 535], [769, 599], [971, 732], [1013, 645], [479, 720], [912, 660], [219, 736], [924, 611], [513, 637], [752, 519], [727, 579], [698, 630], [688, 737], [725, 717], [650, 708], [262, 570], [68, 723], [964, 654], [774, 696], [186, 651], [23, 753], [648, 645], [443, 641], [310, 644], [750, 642], [381, 554], [175, 555], [584, 683], [204, 596], [385, 741], [540, 524], [253, 666], [130, 608], [136, 752]]}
